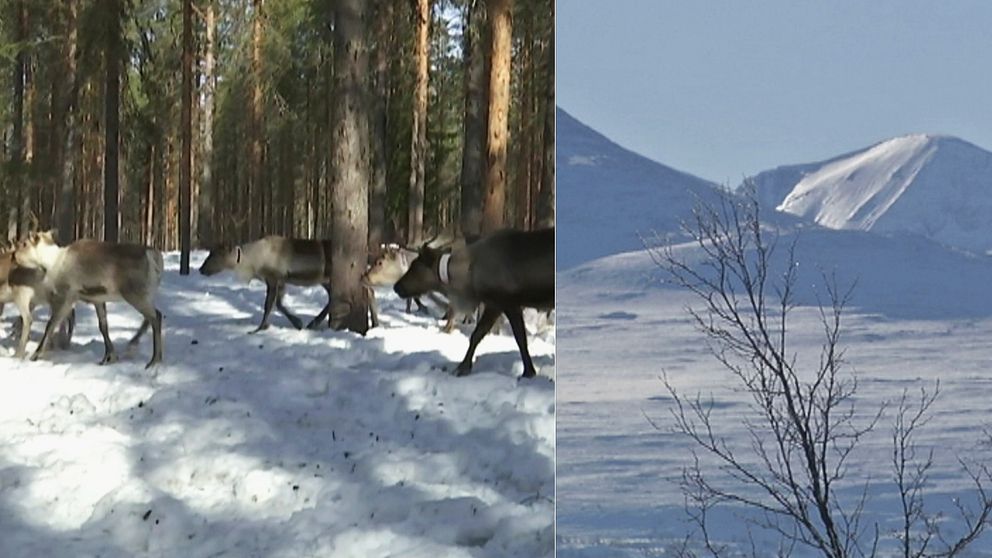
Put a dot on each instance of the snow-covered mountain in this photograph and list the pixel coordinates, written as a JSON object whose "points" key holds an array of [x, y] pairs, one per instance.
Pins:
{"points": [[939, 187], [609, 196]]}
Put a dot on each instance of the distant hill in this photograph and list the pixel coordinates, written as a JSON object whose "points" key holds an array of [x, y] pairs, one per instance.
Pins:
{"points": [[939, 187], [608, 195]]}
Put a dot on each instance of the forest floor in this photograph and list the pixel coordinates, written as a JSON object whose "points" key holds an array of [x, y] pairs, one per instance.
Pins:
{"points": [[282, 443]]}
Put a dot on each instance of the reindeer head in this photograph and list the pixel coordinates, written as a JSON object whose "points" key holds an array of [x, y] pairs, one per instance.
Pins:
{"points": [[422, 275], [387, 268], [39, 249], [220, 259]]}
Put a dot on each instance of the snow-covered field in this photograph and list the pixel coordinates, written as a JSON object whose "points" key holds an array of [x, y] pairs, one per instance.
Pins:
{"points": [[921, 312], [621, 328], [283, 443]]}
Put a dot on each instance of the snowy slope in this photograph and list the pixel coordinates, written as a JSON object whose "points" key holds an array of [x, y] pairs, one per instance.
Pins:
{"points": [[285, 443], [609, 195], [939, 187], [920, 312]]}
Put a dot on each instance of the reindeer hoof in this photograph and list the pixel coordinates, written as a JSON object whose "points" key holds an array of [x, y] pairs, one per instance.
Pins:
{"points": [[35, 356], [529, 374], [463, 370], [315, 324], [296, 323], [109, 358], [262, 327], [153, 362]]}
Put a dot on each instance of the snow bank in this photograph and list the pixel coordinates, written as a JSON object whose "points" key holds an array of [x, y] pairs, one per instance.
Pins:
{"points": [[282, 443]]}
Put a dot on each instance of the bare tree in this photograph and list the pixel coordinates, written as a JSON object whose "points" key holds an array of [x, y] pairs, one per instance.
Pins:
{"points": [[803, 425]]}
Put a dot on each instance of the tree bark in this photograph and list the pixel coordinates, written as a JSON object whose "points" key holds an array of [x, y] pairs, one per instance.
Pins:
{"points": [[418, 149], [380, 147], [17, 139], [66, 204], [476, 85], [501, 33], [207, 227], [112, 57], [522, 202], [186, 139], [349, 186], [256, 219], [546, 201]]}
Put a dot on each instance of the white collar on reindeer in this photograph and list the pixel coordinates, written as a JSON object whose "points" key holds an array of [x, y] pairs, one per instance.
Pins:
{"points": [[442, 268]]}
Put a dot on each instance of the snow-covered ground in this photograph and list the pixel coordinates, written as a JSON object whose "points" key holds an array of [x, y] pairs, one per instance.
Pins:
{"points": [[283, 443], [621, 329]]}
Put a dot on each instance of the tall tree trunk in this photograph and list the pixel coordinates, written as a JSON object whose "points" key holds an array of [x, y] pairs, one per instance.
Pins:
{"points": [[476, 85], [380, 111], [17, 139], [522, 191], [148, 236], [112, 57], [66, 204], [546, 204], [186, 138], [256, 219], [418, 148], [207, 188], [349, 187], [29, 189], [501, 34]]}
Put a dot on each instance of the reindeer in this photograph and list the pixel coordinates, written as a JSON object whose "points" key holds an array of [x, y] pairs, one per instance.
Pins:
{"points": [[96, 272], [393, 262], [505, 272], [276, 261], [25, 287]]}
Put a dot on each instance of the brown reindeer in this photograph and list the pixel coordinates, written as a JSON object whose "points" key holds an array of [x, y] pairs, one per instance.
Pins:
{"points": [[278, 261], [96, 272]]}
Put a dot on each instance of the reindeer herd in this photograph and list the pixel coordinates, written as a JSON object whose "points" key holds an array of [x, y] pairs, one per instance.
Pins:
{"points": [[501, 273]]}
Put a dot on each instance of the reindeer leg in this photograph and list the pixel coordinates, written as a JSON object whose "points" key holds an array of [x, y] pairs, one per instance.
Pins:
{"points": [[280, 291], [516, 317], [142, 302], [141, 331], [270, 299], [420, 305], [66, 330], [109, 355], [373, 306], [409, 306], [61, 307], [481, 329], [315, 322], [449, 317], [23, 301]]}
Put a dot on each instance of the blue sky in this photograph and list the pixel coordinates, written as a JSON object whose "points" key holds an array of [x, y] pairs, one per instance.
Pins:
{"points": [[723, 88]]}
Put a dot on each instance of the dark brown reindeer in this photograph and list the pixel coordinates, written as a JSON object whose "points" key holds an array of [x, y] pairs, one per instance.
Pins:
{"points": [[96, 272], [506, 272], [278, 261]]}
